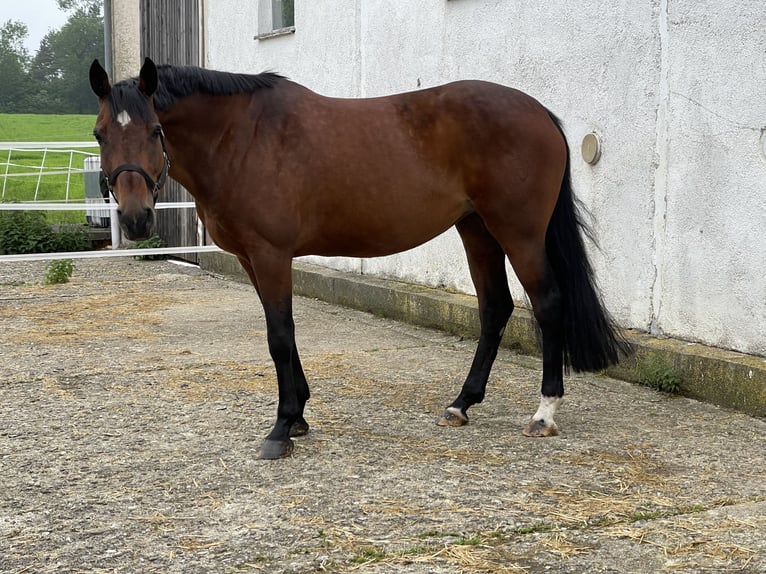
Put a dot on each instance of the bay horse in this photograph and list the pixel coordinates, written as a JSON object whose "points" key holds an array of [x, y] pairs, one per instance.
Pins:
{"points": [[278, 171]]}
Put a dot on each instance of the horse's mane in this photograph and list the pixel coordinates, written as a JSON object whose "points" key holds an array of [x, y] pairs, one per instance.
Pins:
{"points": [[177, 82]]}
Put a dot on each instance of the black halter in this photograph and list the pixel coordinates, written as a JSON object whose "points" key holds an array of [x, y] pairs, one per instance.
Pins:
{"points": [[107, 180]]}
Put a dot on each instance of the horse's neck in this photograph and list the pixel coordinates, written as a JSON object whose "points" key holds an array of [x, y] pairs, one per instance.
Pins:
{"points": [[204, 134], [192, 132]]}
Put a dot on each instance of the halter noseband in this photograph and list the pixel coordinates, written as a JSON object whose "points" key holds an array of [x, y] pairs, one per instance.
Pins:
{"points": [[107, 182]]}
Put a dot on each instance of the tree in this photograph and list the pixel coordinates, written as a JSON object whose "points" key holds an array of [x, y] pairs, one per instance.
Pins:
{"points": [[56, 79], [88, 6], [46, 74], [15, 86], [60, 66], [64, 55]]}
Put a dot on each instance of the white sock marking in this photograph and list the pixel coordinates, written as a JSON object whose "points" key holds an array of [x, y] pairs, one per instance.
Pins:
{"points": [[456, 411], [546, 410]]}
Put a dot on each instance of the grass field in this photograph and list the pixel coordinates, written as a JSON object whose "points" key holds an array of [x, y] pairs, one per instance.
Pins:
{"points": [[45, 128]]}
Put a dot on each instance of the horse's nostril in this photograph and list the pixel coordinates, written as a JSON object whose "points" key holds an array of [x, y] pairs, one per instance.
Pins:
{"points": [[119, 212]]}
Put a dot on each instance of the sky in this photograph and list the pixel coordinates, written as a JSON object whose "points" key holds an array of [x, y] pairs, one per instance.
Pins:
{"points": [[40, 16]]}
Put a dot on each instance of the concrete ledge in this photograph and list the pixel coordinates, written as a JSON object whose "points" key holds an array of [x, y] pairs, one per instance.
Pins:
{"points": [[718, 376]]}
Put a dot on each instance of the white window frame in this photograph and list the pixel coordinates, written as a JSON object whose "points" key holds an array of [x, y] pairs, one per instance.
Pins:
{"points": [[268, 25]]}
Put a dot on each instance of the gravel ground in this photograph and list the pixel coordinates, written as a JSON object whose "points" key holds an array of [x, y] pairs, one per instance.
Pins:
{"points": [[134, 398]]}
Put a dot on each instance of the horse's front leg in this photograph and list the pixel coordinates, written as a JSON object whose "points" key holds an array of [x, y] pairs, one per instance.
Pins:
{"points": [[281, 338], [272, 277], [300, 427]]}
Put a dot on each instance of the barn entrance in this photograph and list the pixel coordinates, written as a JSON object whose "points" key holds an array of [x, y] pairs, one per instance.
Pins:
{"points": [[171, 33]]}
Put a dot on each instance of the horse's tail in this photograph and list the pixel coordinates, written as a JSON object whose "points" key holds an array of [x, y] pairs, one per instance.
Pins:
{"points": [[591, 339]]}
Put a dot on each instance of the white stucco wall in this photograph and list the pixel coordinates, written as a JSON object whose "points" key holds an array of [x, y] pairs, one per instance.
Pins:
{"points": [[675, 93], [713, 267]]}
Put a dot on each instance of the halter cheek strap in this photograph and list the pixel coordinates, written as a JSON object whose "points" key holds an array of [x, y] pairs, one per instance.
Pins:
{"points": [[154, 186]]}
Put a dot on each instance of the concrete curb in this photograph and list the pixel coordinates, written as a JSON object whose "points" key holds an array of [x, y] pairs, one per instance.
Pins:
{"points": [[717, 376]]}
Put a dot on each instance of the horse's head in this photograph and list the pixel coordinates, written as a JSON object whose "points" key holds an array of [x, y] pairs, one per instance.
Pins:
{"points": [[133, 156]]}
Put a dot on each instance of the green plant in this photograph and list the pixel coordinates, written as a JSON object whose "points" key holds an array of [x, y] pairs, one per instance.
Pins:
{"points": [[368, 555], [656, 372], [58, 271], [71, 237], [534, 529], [29, 232], [24, 232], [471, 541], [151, 243]]}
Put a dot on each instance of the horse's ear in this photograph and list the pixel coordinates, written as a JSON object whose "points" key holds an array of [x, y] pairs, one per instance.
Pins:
{"points": [[147, 78], [99, 80]]}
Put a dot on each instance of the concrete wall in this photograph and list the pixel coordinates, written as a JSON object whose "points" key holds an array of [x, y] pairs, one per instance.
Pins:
{"points": [[124, 23], [674, 91]]}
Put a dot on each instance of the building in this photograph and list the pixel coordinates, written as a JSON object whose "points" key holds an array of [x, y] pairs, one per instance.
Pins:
{"points": [[673, 91]]}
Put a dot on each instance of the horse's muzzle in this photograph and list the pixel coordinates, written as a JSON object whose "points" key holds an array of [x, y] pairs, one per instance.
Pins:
{"points": [[138, 224]]}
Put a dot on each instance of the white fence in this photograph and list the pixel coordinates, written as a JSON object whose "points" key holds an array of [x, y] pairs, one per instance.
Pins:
{"points": [[24, 168], [99, 210]]}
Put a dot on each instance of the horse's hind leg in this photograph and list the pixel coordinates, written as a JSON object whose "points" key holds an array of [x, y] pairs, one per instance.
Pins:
{"points": [[523, 239], [530, 262], [486, 261]]}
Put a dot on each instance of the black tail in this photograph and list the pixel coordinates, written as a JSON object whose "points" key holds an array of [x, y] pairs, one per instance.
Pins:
{"points": [[591, 339]]}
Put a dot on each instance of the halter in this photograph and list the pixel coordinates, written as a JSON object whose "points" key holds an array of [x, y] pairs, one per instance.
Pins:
{"points": [[107, 183]]}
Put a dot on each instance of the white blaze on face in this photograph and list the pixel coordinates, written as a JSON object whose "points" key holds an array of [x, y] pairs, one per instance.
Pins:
{"points": [[123, 119]]}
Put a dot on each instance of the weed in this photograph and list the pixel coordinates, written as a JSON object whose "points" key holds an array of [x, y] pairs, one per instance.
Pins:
{"points": [[656, 372], [640, 515], [472, 541], [534, 529], [151, 243], [368, 555], [694, 509], [418, 550], [58, 271], [438, 534]]}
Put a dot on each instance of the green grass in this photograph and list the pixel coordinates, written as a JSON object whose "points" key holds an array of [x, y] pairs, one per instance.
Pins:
{"points": [[367, 556], [45, 128]]}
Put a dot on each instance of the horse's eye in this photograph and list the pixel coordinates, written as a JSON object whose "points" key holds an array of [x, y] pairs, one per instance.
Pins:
{"points": [[98, 136], [157, 131]]}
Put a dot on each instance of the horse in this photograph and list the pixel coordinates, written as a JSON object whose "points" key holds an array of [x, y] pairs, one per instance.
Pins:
{"points": [[278, 171]]}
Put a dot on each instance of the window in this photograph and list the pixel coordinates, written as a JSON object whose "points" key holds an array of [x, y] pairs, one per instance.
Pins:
{"points": [[275, 18], [282, 14]]}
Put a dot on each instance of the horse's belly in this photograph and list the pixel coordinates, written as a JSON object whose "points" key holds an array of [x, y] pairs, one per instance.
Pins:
{"points": [[384, 228]]}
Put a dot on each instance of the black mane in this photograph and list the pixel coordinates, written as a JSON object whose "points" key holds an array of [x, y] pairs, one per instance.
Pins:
{"points": [[177, 82]]}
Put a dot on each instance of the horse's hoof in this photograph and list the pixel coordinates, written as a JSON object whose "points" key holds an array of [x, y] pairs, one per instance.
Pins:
{"points": [[299, 428], [539, 428], [453, 417], [274, 449]]}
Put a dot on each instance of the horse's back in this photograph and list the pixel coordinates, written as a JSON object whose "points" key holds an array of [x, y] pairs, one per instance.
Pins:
{"points": [[374, 176]]}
